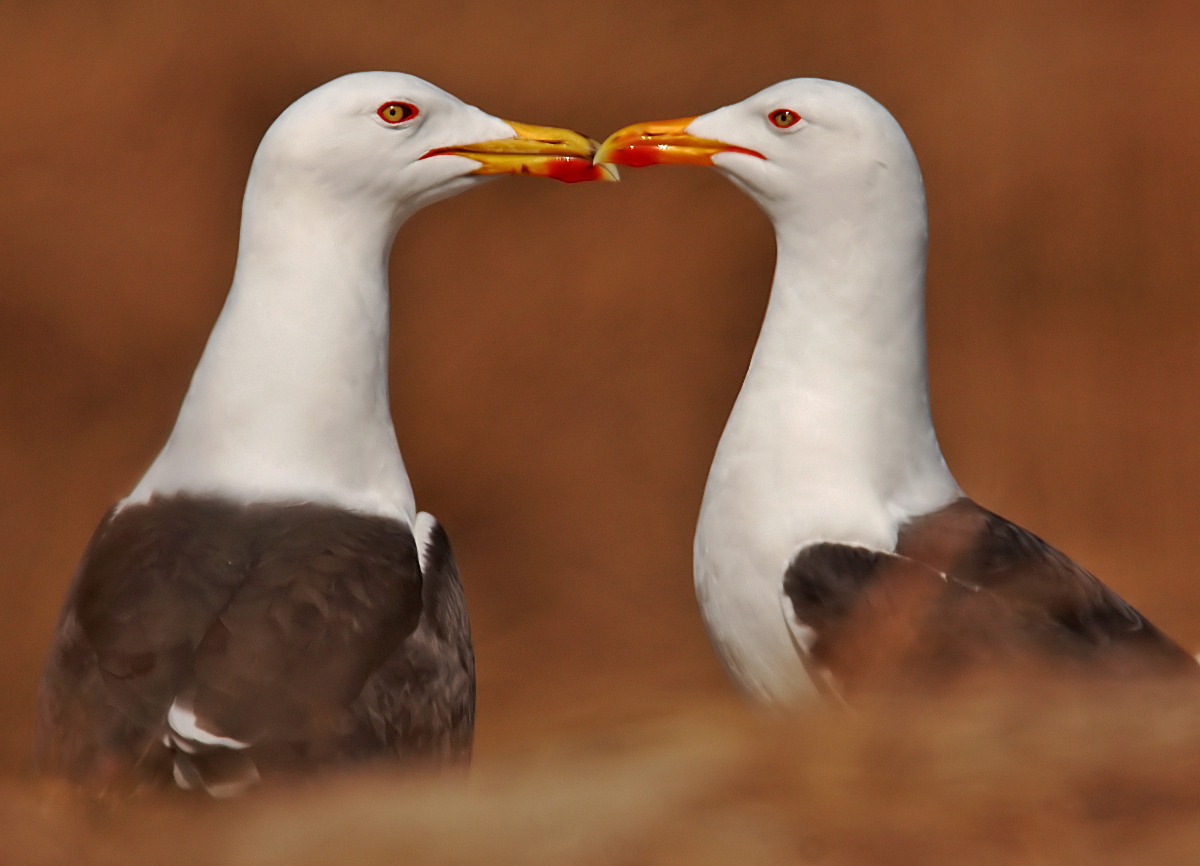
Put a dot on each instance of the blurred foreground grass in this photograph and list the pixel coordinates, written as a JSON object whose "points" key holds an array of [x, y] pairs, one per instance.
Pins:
{"points": [[1033, 772]]}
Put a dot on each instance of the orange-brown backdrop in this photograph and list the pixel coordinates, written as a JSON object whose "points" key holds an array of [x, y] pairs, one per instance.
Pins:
{"points": [[564, 357]]}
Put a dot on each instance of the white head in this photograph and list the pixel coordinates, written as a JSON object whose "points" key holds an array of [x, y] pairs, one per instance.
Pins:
{"points": [[393, 143], [805, 147]]}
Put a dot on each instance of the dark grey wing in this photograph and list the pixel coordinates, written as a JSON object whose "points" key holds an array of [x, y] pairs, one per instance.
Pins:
{"points": [[82, 730], [260, 623], [1065, 611], [145, 591], [420, 703], [329, 597], [964, 590], [858, 615]]}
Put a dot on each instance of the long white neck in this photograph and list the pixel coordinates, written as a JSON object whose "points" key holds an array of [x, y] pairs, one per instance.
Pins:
{"points": [[290, 399], [831, 435]]}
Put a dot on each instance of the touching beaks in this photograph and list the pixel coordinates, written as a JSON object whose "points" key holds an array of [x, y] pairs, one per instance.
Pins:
{"points": [[663, 141], [538, 151]]}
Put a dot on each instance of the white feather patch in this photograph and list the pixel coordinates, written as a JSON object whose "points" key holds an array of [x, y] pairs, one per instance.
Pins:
{"points": [[422, 530], [181, 778], [803, 636], [183, 723]]}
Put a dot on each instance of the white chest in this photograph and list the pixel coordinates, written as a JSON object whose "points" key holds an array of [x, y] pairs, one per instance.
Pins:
{"points": [[748, 532], [777, 486]]}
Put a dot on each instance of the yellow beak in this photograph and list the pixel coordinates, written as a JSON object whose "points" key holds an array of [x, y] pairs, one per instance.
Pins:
{"points": [[538, 151], [663, 141]]}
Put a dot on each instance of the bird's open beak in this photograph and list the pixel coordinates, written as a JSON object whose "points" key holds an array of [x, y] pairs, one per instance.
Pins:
{"points": [[663, 141], [539, 151]]}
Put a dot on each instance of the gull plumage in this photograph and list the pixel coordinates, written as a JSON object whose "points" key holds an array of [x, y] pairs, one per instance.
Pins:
{"points": [[828, 500], [268, 599]]}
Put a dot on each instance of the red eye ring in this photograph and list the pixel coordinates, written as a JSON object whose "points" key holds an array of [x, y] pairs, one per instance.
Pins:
{"points": [[397, 112], [784, 117]]}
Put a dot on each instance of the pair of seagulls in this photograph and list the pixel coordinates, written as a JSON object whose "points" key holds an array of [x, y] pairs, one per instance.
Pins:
{"points": [[269, 600]]}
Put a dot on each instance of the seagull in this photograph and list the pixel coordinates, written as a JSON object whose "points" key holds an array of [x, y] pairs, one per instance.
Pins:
{"points": [[268, 600], [834, 550]]}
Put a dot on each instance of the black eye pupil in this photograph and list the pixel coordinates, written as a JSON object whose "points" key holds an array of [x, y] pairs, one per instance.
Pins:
{"points": [[397, 112]]}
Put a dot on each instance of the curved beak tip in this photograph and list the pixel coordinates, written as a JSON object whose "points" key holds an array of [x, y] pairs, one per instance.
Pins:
{"points": [[536, 151], [662, 141]]}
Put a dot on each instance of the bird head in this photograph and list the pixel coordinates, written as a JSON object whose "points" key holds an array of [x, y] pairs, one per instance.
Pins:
{"points": [[402, 141], [806, 144]]}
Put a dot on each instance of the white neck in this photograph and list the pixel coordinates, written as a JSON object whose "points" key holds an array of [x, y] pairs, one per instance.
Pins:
{"points": [[831, 437], [290, 399]]}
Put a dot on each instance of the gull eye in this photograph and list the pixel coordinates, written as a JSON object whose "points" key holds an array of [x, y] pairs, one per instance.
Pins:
{"points": [[784, 117], [398, 112]]}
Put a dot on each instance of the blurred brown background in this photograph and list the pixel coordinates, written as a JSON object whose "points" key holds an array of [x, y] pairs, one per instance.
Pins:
{"points": [[564, 357]]}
